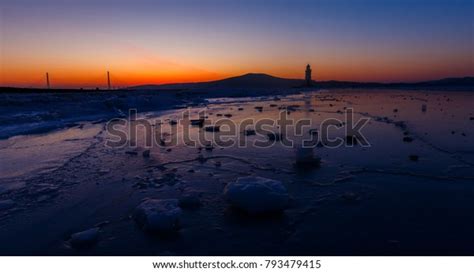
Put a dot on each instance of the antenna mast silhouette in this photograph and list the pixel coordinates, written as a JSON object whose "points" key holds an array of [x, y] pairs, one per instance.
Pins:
{"points": [[108, 80], [47, 81]]}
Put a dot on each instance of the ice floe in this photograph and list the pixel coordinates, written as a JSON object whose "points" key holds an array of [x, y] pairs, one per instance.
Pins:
{"points": [[158, 215], [85, 238], [256, 195]]}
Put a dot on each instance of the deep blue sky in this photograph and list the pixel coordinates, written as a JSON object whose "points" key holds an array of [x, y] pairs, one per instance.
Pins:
{"points": [[164, 41]]}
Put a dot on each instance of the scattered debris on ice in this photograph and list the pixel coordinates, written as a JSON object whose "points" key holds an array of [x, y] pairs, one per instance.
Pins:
{"points": [[256, 195], [212, 128], [197, 122], [249, 132], [274, 136], [209, 147], [158, 215]]}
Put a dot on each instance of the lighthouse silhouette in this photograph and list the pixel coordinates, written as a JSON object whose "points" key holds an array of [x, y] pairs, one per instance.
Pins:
{"points": [[308, 76]]}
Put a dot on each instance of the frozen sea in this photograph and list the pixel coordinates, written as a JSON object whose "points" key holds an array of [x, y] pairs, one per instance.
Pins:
{"points": [[409, 192]]}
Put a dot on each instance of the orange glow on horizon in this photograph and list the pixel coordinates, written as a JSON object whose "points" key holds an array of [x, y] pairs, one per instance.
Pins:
{"points": [[140, 67]]}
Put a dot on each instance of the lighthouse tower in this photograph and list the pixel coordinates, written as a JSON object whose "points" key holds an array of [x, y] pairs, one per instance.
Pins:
{"points": [[308, 76]]}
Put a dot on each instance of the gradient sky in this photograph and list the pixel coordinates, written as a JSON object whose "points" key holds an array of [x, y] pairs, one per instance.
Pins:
{"points": [[144, 41]]}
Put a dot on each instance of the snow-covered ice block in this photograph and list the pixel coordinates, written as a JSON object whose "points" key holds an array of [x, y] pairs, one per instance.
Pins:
{"points": [[257, 195], [85, 238], [158, 215]]}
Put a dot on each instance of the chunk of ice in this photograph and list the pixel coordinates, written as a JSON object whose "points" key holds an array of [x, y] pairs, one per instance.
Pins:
{"points": [[256, 195], [85, 238], [158, 215]]}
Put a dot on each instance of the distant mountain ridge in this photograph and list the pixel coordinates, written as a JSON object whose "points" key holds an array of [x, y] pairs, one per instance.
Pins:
{"points": [[265, 81], [258, 83], [250, 80]]}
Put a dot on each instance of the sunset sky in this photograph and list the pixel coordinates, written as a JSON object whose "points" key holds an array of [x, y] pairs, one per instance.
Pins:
{"points": [[151, 42]]}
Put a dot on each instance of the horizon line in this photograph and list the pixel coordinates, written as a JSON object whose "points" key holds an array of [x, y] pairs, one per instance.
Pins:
{"points": [[242, 75]]}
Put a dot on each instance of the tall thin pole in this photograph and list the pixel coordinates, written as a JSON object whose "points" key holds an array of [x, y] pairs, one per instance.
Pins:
{"points": [[47, 81], [108, 79]]}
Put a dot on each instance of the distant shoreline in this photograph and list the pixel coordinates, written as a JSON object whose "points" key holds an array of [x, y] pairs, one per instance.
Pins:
{"points": [[263, 83]]}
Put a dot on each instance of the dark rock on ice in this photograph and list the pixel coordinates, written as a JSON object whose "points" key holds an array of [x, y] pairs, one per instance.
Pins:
{"points": [[249, 132], [212, 128], [413, 157], [197, 122], [209, 147], [274, 136]]}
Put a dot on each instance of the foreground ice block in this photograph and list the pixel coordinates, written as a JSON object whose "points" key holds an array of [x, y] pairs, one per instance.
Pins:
{"points": [[85, 238], [256, 195], [158, 215]]}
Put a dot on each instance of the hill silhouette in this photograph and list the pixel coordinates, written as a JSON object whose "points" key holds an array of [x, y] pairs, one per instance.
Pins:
{"points": [[265, 81], [250, 80]]}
